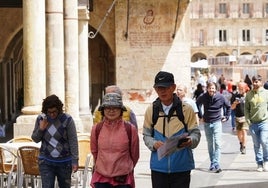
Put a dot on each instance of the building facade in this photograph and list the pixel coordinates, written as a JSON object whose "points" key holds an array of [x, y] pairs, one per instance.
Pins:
{"points": [[231, 35]]}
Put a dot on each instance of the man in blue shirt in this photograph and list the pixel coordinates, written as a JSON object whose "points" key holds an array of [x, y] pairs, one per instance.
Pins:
{"points": [[213, 103]]}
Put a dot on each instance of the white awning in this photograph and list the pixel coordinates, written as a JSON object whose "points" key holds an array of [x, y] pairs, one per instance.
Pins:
{"points": [[200, 64]]}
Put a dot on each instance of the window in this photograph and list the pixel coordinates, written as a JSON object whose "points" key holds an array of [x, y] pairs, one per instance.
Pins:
{"points": [[246, 35], [201, 37], [245, 8], [222, 8], [266, 8], [222, 36]]}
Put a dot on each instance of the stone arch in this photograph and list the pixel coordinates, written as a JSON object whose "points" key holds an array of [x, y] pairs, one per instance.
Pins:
{"points": [[246, 53], [11, 81], [222, 54], [102, 66], [198, 56], [14, 48]]}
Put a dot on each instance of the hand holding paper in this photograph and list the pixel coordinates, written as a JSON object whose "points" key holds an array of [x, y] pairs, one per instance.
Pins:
{"points": [[184, 142], [173, 144]]}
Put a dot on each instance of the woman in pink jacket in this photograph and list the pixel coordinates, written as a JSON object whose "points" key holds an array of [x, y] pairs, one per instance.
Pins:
{"points": [[115, 146]]}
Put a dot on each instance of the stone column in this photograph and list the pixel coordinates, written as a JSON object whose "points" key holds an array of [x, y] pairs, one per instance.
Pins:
{"points": [[55, 48], [34, 56], [84, 69], [71, 57], [34, 59]]}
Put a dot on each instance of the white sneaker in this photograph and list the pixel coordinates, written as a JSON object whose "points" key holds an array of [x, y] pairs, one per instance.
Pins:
{"points": [[265, 166], [260, 168]]}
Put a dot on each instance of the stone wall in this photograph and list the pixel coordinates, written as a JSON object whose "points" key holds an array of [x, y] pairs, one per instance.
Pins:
{"points": [[152, 41]]}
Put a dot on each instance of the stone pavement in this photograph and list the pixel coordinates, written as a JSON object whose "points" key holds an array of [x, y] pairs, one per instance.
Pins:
{"points": [[238, 170]]}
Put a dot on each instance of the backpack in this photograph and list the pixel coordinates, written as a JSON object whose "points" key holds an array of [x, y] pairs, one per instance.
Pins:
{"points": [[177, 106]]}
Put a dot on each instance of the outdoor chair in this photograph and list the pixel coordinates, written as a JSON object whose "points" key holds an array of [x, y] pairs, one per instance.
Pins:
{"points": [[30, 169], [85, 161], [8, 167], [21, 139]]}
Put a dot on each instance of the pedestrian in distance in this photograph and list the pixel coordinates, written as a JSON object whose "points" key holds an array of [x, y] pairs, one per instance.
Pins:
{"points": [[181, 93], [198, 91], [256, 105], [238, 106], [265, 85], [248, 81], [234, 93], [114, 145], [59, 146], [174, 118], [214, 104]]}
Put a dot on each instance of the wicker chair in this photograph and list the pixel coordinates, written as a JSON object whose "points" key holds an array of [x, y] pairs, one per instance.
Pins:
{"points": [[30, 169], [21, 139], [7, 168]]}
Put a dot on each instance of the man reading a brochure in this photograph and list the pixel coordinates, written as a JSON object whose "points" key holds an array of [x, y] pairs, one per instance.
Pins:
{"points": [[174, 169]]}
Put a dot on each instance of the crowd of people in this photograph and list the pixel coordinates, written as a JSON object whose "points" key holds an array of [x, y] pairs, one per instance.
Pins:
{"points": [[246, 103], [174, 115]]}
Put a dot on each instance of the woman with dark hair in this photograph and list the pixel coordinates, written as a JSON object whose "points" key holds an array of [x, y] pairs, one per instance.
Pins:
{"points": [[59, 147]]}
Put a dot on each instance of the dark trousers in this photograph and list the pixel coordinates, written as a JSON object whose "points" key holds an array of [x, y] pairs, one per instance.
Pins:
{"points": [[171, 180], [50, 170]]}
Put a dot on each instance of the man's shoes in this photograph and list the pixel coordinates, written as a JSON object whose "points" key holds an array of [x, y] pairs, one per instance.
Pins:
{"points": [[265, 166], [243, 151], [259, 168], [212, 167], [217, 168]]}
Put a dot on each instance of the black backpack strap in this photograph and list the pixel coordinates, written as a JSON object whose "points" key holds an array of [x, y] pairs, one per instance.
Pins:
{"points": [[155, 115], [156, 108], [179, 111], [180, 115]]}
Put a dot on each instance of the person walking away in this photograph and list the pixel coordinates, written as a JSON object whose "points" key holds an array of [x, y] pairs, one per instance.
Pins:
{"points": [[199, 90], [173, 170], [59, 146], [213, 103], [226, 94], [238, 105], [234, 93], [128, 115], [248, 81], [256, 115], [114, 145]]}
